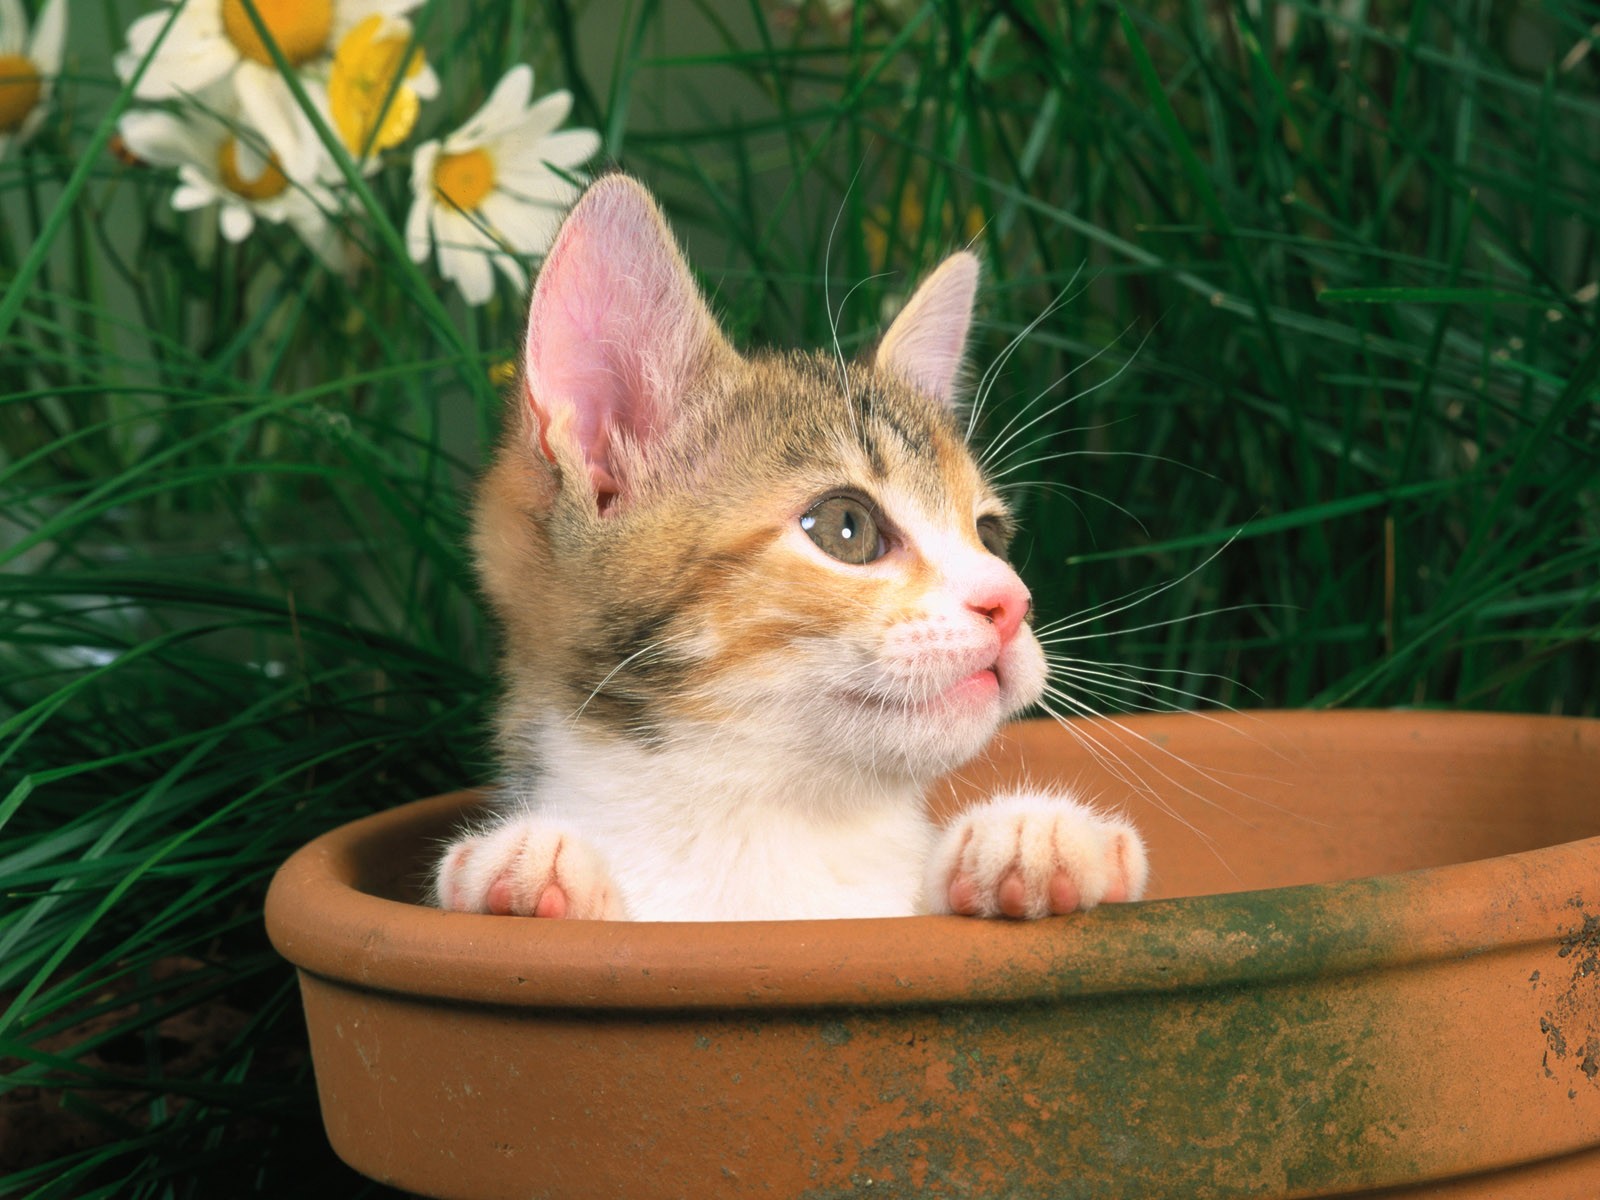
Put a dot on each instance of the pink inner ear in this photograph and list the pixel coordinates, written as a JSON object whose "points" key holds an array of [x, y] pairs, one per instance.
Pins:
{"points": [[568, 362], [615, 331], [928, 340]]}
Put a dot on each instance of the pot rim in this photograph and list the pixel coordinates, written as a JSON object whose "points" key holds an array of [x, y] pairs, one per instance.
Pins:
{"points": [[320, 920]]}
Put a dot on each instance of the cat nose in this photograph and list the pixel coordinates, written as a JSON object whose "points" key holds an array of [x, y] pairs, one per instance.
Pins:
{"points": [[1004, 602]]}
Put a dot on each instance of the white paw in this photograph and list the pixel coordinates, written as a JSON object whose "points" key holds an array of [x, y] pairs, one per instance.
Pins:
{"points": [[526, 868], [1034, 854]]}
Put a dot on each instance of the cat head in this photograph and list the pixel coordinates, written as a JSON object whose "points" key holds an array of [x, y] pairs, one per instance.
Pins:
{"points": [[783, 559]]}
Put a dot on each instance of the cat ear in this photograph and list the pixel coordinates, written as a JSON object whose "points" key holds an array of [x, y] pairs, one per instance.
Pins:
{"points": [[617, 331], [926, 342]]}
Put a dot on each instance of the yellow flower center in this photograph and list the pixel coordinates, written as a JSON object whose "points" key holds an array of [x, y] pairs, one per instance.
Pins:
{"points": [[265, 186], [300, 27], [19, 90], [463, 180], [365, 68]]}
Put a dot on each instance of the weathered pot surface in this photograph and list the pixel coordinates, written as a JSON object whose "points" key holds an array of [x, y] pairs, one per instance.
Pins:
{"points": [[1373, 962]]}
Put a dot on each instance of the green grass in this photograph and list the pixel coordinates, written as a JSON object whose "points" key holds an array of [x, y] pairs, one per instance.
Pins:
{"points": [[1330, 313]]}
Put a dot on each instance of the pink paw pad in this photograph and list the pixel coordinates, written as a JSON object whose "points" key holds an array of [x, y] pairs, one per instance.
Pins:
{"points": [[1029, 856], [526, 869]]}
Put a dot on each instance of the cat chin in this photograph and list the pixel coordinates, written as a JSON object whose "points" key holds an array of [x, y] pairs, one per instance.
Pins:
{"points": [[920, 745], [922, 737]]}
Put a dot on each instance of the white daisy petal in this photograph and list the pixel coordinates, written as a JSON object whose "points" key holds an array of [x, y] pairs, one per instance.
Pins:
{"points": [[472, 275], [418, 243], [237, 222], [13, 27], [248, 160], [142, 33], [192, 57], [459, 231], [49, 36], [350, 13], [519, 224], [501, 211], [193, 138], [512, 270], [425, 83], [500, 111], [30, 123], [162, 139], [533, 175], [461, 246], [423, 200], [545, 115], [569, 148], [194, 190], [540, 222], [302, 213], [423, 159], [267, 103]]}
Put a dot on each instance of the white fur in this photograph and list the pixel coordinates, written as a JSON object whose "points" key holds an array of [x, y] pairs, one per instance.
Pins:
{"points": [[690, 839], [528, 857], [1034, 836]]}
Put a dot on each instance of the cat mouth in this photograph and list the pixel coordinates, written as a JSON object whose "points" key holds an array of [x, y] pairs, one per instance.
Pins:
{"points": [[981, 685], [980, 689]]}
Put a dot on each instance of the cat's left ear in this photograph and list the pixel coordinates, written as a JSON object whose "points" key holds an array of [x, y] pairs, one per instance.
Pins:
{"points": [[928, 340]]}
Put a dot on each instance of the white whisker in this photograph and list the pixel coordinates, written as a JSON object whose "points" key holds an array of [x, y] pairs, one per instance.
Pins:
{"points": [[1003, 438], [1084, 616], [991, 374]]}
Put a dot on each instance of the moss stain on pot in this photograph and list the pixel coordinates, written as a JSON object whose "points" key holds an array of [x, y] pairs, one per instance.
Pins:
{"points": [[1224, 1092], [1573, 1006]]}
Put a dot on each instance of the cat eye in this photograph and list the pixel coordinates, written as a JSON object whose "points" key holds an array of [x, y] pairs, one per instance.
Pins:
{"points": [[845, 527], [996, 538]]}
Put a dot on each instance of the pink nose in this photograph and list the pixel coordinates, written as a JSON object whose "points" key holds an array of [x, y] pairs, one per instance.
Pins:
{"points": [[1002, 600]]}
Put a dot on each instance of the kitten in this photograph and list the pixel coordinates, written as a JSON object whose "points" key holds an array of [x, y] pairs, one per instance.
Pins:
{"points": [[753, 607]]}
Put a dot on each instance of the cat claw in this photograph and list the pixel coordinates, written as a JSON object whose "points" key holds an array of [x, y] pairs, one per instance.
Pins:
{"points": [[1035, 855], [526, 868]]}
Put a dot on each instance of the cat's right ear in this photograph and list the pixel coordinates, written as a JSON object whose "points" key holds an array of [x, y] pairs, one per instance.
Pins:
{"points": [[617, 332]]}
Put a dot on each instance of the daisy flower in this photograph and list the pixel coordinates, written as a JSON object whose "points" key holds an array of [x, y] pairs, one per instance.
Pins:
{"points": [[216, 169], [495, 187], [212, 40], [28, 67], [365, 67]]}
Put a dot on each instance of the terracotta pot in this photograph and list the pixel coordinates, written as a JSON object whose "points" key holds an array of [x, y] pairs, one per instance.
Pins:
{"points": [[1374, 963]]}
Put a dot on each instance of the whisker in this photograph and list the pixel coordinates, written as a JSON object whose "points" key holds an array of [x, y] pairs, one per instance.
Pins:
{"points": [[1125, 743], [1084, 616], [1003, 439], [1044, 458], [991, 374], [1120, 769], [1196, 616], [827, 300], [650, 648], [1106, 500], [1077, 666]]}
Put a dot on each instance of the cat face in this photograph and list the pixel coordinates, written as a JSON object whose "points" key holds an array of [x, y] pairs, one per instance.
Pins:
{"points": [[789, 561]]}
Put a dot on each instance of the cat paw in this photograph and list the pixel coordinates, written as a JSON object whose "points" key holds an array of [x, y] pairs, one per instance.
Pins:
{"points": [[526, 868], [1032, 855]]}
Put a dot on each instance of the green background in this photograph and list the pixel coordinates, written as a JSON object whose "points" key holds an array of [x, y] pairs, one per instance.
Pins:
{"points": [[1327, 300]]}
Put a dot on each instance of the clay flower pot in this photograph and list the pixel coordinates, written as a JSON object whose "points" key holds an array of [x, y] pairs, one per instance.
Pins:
{"points": [[1373, 961]]}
